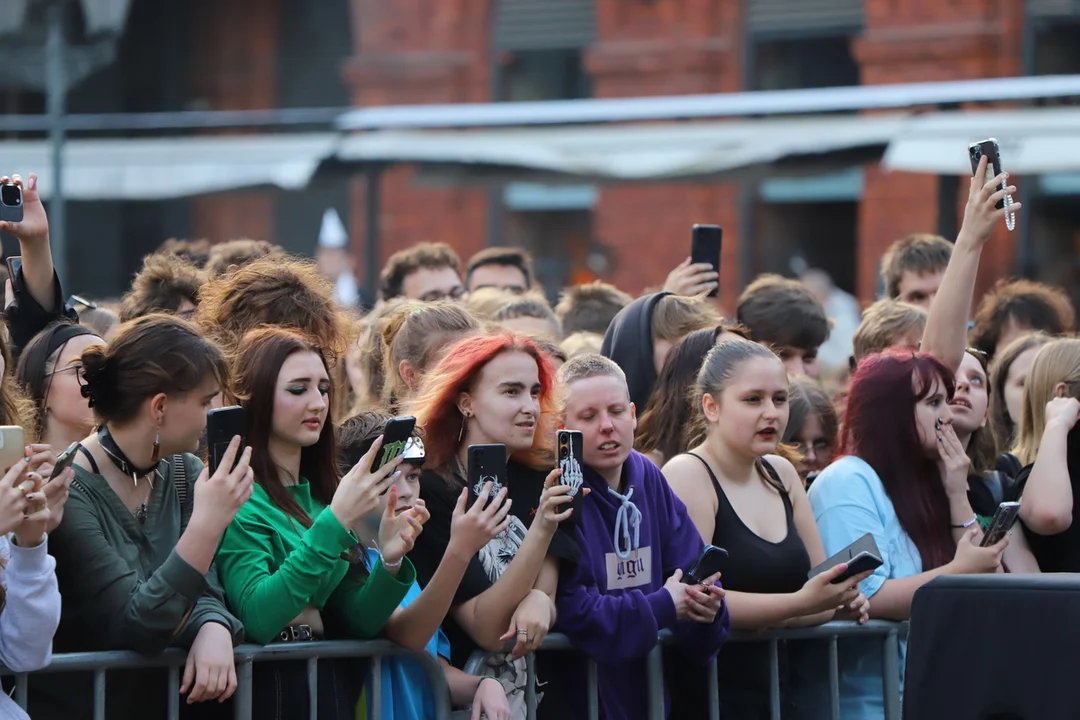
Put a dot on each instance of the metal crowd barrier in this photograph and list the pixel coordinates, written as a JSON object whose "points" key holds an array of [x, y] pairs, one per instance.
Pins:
{"points": [[246, 655]]}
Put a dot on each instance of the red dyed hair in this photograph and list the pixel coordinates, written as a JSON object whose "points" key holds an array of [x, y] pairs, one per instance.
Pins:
{"points": [[436, 408], [879, 428]]}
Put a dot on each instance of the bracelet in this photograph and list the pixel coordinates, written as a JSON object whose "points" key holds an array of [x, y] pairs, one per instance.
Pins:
{"points": [[974, 519], [390, 566]]}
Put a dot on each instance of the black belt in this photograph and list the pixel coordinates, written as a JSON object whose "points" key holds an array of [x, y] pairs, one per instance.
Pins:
{"points": [[296, 633]]}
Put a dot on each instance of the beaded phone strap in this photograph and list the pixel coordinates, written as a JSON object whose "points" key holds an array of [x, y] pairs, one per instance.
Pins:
{"points": [[1010, 216]]}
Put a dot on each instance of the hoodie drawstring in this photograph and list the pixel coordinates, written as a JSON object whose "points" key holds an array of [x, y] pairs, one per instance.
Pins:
{"points": [[628, 517]]}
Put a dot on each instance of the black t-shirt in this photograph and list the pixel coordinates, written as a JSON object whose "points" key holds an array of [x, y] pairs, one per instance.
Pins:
{"points": [[1055, 553], [987, 491], [525, 487]]}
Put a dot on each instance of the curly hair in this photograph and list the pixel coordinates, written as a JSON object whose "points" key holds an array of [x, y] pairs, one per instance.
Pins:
{"points": [[163, 284], [1026, 303], [436, 409], [239, 252], [405, 262], [281, 291], [590, 307], [918, 253]]}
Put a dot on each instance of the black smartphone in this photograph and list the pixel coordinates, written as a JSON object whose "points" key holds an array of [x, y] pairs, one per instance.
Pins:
{"points": [[222, 425], [1003, 521], [487, 464], [570, 446], [990, 149], [11, 205], [705, 243], [860, 556], [13, 264], [708, 563], [63, 462], [396, 436]]}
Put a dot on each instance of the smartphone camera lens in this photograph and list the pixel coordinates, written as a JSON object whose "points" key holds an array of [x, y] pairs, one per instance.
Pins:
{"points": [[11, 195]]}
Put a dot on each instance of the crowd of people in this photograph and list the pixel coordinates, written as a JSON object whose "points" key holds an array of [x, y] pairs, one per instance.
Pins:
{"points": [[699, 428]]}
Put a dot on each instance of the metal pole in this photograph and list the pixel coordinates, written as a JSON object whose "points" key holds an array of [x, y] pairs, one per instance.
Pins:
{"points": [[372, 265], [56, 97]]}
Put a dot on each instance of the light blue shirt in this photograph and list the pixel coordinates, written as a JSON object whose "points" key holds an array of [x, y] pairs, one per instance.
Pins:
{"points": [[406, 691], [849, 501]]}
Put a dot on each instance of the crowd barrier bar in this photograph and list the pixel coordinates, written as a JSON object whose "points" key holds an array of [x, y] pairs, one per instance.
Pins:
{"points": [[246, 655]]}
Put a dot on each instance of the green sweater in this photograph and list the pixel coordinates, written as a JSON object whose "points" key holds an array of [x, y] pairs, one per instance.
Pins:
{"points": [[272, 568]]}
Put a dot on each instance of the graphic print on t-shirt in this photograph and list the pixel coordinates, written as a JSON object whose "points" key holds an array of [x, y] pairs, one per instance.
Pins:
{"points": [[633, 571], [501, 549]]}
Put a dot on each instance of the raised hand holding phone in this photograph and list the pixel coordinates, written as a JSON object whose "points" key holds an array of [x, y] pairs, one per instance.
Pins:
{"points": [[220, 495], [358, 493], [472, 529]]}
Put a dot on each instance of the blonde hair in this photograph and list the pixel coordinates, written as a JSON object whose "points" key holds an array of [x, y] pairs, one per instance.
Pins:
{"points": [[584, 367], [1057, 362], [677, 316], [582, 343], [414, 332], [1005, 427], [486, 301], [885, 323]]}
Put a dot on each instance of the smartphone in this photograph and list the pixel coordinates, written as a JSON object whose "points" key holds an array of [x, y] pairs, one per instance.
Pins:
{"points": [[705, 242], [396, 436], [1001, 524], [11, 205], [990, 149], [860, 556], [570, 445], [12, 446], [487, 464], [13, 264], [708, 563], [64, 461], [222, 425]]}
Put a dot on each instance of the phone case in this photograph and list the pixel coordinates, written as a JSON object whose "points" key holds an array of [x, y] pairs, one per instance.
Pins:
{"points": [[1003, 520], [395, 437], [222, 425], [12, 446], [705, 245], [708, 563], [857, 565], [864, 545], [992, 151], [487, 464], [64, 461], [571, 462]]}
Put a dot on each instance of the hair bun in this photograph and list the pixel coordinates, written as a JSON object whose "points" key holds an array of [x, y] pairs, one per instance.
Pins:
{"points": [[94, 366]]}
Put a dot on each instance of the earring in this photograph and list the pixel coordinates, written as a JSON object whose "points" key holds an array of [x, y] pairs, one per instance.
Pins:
{"points": [[157, 446], [461, 433]]}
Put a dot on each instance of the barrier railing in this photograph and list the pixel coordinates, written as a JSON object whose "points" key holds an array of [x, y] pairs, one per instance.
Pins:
{"points": [[99, 663]]}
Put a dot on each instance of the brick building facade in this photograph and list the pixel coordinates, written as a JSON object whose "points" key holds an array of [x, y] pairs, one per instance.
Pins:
{"points": [[422, 51]]}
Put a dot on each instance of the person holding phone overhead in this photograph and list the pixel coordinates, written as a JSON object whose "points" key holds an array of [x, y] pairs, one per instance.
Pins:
{"points": [[636, 541], [496, 389], [135, 551], [291, 562], [744, 497]]}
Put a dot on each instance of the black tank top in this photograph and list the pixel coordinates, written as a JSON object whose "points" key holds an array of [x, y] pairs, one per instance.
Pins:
{"points": [[754, 564]]}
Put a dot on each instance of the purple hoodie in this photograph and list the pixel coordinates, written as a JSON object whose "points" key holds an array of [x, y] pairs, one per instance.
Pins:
{"points": [[613, 603]]}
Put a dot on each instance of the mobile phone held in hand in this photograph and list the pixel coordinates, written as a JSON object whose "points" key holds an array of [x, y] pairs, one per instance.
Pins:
{"points": [[705, 244], [396, 436], [222, 425], [11, 204], [12, 446], [65, 460], [1003, 520], [992, 151], [860, 556], [13, 264], [570, 446], [709, 562], [487, 464]]}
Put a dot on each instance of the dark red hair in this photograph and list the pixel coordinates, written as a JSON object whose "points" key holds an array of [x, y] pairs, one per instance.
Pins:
{"points": [[436, 405], [879, 427]]}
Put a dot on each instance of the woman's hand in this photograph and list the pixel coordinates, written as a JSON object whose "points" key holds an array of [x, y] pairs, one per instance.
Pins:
{"points": [[530, 623], [398, 533], [1062, 412], [703, 602], [210, 673], [858, 610], [471, 530], [819, 594], [35, 225], [490, 701], [31, 531], [13, 501], [690, 280], [358, 493], [972, 559], [219, 496], [953, 462], [981, 213], [42, 460], [554, 497]]}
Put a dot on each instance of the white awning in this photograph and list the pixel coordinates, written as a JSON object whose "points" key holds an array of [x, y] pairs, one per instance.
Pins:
{"points": [[161, 168], [1033, 141], [622, 153]]}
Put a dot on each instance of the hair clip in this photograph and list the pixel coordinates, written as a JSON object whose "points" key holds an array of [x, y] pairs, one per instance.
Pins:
{"points": [[88, 394]]}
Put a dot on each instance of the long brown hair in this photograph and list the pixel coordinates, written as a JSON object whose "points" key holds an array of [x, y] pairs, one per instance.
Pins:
{"points": [[257, 365], [15, 407]]}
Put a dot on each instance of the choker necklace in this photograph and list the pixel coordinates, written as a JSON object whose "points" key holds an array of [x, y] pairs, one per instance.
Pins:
{"points": [[120, 460]]}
